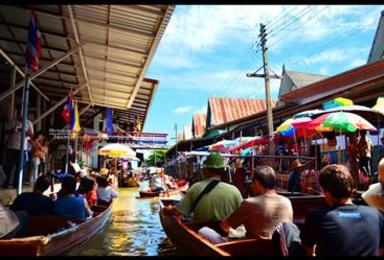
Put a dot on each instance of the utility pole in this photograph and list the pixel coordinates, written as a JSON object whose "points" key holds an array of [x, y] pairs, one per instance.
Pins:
{"points": [[266, 77]]}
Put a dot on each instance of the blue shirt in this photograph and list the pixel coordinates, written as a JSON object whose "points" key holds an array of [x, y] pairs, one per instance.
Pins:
{"points": [[68, 206], [33, 203]]}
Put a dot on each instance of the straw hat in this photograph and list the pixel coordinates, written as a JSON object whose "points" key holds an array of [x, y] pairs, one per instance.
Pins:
{"points": [[295, 164], [104, 171], [214, 160]]}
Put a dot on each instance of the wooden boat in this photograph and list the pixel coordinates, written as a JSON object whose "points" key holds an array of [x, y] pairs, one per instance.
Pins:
{"points": [[167, 193], [43, 237], [186, 238]]}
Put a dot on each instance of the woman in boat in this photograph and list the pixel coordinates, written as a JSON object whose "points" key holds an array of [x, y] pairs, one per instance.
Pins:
{"points": [[68, 205], [105, 193], [87, 190]]}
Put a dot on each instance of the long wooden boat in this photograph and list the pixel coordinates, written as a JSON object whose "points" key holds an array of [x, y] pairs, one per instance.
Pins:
{"points": [[185, 236], [43, 238], [167, 193]]}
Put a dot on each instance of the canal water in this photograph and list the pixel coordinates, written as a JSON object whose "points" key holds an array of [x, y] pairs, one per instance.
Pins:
{"points": [[133, 230]]}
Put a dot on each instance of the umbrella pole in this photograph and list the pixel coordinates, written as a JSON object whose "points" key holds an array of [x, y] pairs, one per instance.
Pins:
{"points": [[294, 136], [339, 159]]}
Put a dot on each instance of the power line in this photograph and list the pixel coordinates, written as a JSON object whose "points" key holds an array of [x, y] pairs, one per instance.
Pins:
{"points": [[275, 19]]}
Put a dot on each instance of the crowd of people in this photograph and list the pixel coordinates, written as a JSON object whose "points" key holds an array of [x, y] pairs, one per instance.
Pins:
{"points": [[338, 228], [35, 152], [78, 193]]}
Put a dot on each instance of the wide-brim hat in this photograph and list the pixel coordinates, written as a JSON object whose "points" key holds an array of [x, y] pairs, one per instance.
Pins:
{"points": [[104, 171], [214, 160], [295, 164]]}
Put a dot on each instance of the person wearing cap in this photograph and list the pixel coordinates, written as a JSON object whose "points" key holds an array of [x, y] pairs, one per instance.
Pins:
{"points": [[295, 176], [261, 214], [35, 203], [374, 196], [217, 204]]}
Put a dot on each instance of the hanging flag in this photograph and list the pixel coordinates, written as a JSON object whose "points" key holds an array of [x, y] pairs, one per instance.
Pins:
{"points": [[66, 112], [138, 125], [76, 127], [109, 121], [72, 110], [33, 52]]}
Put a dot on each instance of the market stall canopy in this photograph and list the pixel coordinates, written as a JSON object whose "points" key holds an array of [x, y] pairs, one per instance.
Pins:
{"points": [[101, 51], [379, 107], [117, 150]]}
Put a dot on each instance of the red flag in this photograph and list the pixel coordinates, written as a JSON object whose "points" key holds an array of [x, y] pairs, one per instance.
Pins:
{"points": [[33, 52], [66, 114]]}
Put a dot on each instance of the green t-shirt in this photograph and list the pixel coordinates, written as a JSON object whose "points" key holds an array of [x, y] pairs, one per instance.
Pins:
{"points": [[218, 204]]}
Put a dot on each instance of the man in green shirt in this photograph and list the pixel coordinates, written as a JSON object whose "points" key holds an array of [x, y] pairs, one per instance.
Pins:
{"points": [[217, 204]]}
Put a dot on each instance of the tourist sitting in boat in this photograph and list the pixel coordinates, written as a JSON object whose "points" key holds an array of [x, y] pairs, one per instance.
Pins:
{"points": [[261, 214], [68, 205], [87, 190], [374, 196], [12, 224], [341, 228], [34, 203], [105, 193], [169, 181], [210, 199], [294, 181]]}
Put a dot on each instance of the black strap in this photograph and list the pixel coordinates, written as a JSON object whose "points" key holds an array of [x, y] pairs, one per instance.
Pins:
{"points": [[206, 190]]}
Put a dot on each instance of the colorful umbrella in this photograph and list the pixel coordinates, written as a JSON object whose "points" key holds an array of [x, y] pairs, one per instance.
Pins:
{"points": [[117, 150], [340, 122], [340, 101], [308, 113], [295, 126], [221, 145]]}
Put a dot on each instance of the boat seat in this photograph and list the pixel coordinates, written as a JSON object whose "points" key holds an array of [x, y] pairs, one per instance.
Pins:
{"points": [[248, 247], [48, 224]]}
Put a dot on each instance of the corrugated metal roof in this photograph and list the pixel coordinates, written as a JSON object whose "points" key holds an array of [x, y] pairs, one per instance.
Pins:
{"points": [[223, 110], [198, 124], [377, 49], [117, 42]]}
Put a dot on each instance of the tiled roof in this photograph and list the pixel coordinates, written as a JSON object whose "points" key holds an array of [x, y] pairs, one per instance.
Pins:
{"points": [[223, 110]]}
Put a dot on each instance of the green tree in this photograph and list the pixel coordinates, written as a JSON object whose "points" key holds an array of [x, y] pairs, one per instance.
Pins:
{"points": [[156, 158]]}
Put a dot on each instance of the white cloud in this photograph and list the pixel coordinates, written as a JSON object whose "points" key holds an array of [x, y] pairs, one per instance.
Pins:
{"points": [[181, 110], [202, 110]]}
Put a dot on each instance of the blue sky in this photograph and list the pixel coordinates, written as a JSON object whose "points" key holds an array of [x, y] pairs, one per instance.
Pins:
{"points": [[207, 50]]}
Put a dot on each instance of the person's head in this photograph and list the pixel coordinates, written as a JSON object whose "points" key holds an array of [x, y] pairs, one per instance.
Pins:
{"points": [[41, 185], [102, 181], [263, 179], [68, 186], [380, 169], [296, 166], [363, 133], [214, 165], [86, 185], [337, 183]]}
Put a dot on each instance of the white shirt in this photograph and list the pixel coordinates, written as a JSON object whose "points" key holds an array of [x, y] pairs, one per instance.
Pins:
{"points": [[14, 138], [8, 221], [106, 193]]}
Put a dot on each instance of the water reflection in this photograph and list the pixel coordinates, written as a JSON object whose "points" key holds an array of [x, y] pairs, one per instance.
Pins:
{"points": [[133, 230]]}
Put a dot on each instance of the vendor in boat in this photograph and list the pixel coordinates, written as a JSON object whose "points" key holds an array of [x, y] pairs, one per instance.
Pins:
{"points": [[374, 196], [260, 215], [210, 199], [156, 183], [294, 184]]}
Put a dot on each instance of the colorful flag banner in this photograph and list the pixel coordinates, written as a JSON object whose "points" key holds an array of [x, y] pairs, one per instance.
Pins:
{"points": [[33, 52], [139, 125], [76, 127], [109, 121]]}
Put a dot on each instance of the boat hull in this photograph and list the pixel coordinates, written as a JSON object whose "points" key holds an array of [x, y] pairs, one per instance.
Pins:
{"points": [[57, 243]]}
